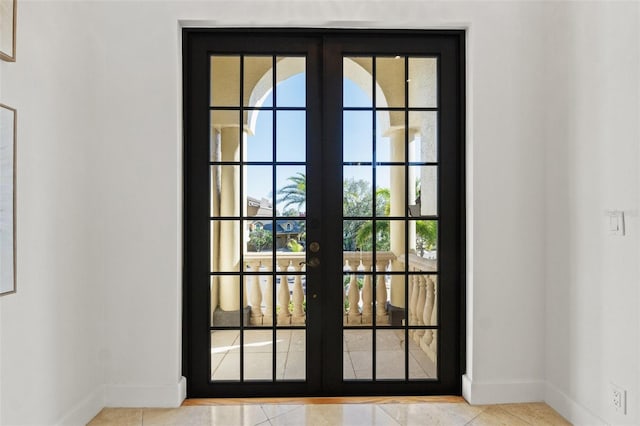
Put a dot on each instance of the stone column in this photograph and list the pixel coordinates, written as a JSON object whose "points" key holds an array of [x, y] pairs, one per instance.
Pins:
{"points": [[397, 208], [229, 245]]}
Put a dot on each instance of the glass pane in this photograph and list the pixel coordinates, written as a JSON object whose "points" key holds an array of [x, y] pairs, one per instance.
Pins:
{"points": [[290, 286], [225, 136], [357, 198], [426, 191], [423, 354], [225, 81], [259, 290], [291, 80], [225, 193], [359, 293], [423, 82], [356, 236], [291, 136], [259, 191], [357, 355], [258, 81], [426, 245], [390, 349], [258, 294], [291, 346], [291, 191], [390, 237], [357, 136], [390, 191], [258, 354], [356, 90], [291, 234], [259, 142], [259, 236], [423, 136], [225, 246], [225, 355], [423, 291], [396, 289], [390, 81], [390, 136]]}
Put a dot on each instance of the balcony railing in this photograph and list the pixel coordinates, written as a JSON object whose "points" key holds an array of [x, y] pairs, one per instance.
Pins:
{"points": [[423, 303], [358, 292]]}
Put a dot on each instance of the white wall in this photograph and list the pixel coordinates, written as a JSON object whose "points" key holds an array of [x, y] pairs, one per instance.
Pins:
{"points": [[52, 328], [593, 326], [97, 85], [139, 106]]}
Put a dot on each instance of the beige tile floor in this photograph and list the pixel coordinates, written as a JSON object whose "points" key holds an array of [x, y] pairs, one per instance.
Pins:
{"points": [[394, 413], [290, 355]]}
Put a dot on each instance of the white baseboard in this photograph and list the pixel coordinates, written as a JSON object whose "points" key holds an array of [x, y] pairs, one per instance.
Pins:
{"points": [[146, 396], [85, 410], [478, 393], [568, 408]]}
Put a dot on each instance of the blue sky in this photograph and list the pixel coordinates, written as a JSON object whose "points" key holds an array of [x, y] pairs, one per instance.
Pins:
{"points": [[290, 136]]}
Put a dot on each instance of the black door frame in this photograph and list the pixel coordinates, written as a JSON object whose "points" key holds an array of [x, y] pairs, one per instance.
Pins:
{"points": [[450, 48]]}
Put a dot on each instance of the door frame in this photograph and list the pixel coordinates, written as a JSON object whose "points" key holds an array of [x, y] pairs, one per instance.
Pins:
{"points": [[191, 201]]}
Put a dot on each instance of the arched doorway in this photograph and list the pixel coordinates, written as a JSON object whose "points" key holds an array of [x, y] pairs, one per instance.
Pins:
{"points": [[324, 233]]}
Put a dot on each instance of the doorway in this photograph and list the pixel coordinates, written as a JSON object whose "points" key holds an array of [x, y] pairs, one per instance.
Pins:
{"points": [[324, 212]]}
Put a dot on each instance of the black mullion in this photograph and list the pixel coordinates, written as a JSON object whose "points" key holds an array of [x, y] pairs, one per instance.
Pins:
{"points": [[274, 261], [390, 163], [254, 163], [392, 109], [406, 213], [438, 227], [241, 154], [374, 237], [423, 163]]}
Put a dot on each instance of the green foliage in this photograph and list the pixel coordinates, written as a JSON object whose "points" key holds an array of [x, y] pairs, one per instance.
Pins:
{"points": [[427, 235], [294, 194], [356, 201], [295, 246], [260, 239], [364, 235]]}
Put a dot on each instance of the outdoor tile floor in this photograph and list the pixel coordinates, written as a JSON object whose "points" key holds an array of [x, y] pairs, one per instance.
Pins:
{"points": [[290, 355]]}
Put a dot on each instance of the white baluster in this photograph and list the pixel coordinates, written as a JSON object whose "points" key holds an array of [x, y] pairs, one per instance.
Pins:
{"points": [[268, 301], [354, 299], [422, 297], [284, 316], [298, 300], [381, 296], [367, 300], [345, 268], [428, 307], [426, 317], [434, 312], [414, 291], [255, 295]]}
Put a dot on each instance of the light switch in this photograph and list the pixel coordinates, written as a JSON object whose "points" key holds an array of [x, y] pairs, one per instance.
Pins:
{"points": [[615, 222]]}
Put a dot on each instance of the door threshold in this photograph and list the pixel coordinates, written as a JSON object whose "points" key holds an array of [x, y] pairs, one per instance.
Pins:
{"points": [[325, 400]]}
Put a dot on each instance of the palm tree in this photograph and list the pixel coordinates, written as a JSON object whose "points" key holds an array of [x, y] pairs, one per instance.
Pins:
{"points": [[294, 194]]}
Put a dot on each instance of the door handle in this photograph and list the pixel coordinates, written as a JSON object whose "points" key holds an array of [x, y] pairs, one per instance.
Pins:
{"points": [[313, 262]]}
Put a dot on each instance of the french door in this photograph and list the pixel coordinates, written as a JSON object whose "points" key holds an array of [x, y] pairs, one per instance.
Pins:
{"points": [[323, 212]]}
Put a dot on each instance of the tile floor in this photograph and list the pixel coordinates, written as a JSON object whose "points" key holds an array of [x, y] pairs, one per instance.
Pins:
{"points": [[455, 412], [290, 355]]}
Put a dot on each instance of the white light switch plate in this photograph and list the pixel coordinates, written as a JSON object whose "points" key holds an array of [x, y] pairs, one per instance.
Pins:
{"points": [[615, 222]]}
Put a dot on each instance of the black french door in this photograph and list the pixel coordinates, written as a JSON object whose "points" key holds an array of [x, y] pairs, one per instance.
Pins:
{"points": [[323, 212]]}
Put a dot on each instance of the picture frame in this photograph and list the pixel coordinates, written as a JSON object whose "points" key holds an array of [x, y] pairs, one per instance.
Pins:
{"points": [[8, 124], [8, 30]]}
